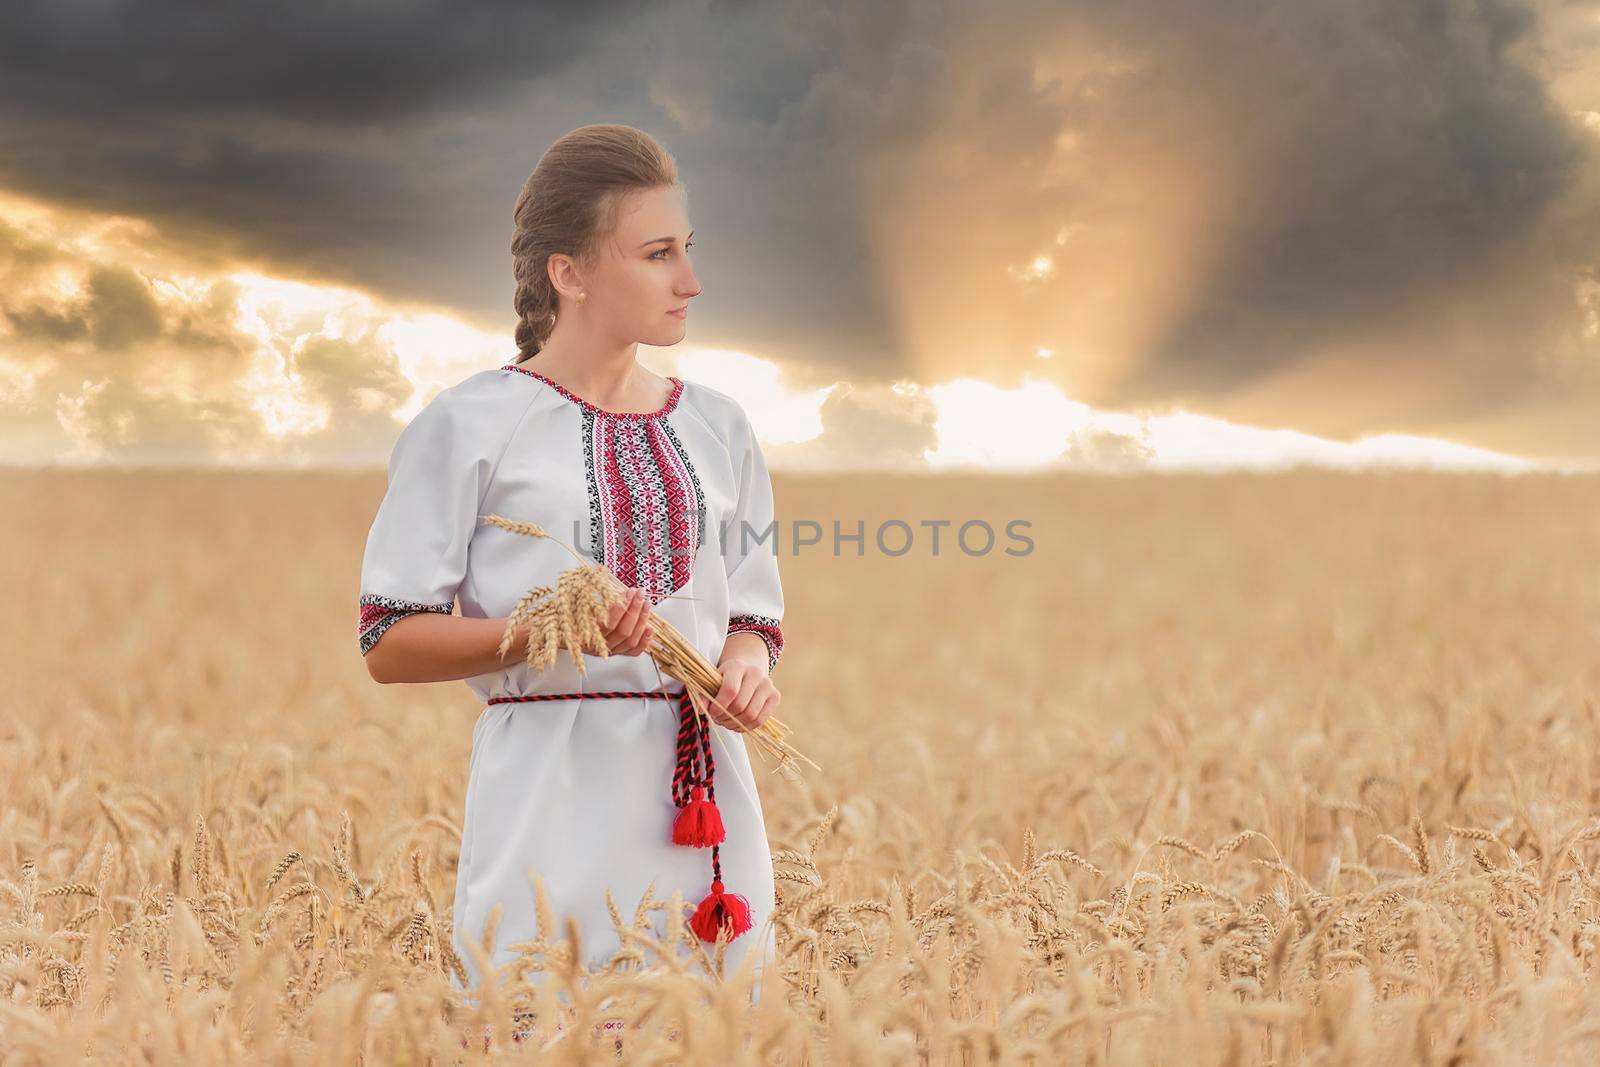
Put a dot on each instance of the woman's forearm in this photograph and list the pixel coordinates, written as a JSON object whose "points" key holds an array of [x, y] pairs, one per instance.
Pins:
{"points": [[430, 647], [742, 644]]}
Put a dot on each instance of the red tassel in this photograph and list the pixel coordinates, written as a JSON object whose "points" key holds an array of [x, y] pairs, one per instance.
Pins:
{"points": [[698, 822], [718, 909]]}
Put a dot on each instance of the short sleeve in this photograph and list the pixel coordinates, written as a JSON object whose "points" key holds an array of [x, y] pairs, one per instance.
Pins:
{"points": [[416, 554], [755, 594]]}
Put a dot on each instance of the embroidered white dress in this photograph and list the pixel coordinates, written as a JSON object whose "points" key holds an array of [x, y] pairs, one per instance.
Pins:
{"points": [[676, 501]]}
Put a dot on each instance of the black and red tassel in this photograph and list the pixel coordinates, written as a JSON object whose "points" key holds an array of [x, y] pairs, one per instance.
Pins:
{"points": [[699, 824]]}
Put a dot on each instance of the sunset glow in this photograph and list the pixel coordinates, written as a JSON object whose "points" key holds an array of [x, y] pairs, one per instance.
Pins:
{"points": [[299, 371]]}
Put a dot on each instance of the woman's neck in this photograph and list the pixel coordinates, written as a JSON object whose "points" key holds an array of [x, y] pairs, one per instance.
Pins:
{"points": [[616, 382]]}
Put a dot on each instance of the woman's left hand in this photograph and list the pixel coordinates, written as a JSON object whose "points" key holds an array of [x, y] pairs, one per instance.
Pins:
{"points": [[747, 693]]}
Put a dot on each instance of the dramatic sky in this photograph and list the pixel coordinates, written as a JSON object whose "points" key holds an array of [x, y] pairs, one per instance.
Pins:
{"points": [[1144, 233]]}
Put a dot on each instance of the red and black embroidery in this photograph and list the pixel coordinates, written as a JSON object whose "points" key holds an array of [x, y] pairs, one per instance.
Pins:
{"points": [[646, 507], [378, 613], [664, 409], [766, 627]]}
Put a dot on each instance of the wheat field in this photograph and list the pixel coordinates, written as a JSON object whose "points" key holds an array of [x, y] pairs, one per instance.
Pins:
{"points": [[1242, 769]]}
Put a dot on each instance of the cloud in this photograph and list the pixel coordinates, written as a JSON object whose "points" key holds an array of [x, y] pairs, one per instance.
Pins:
{"points": [[783, 412], [158, 365], [1358, 218], [122, 311], [864, 428], [104, 362], [300, 145], [338, 59], [980, 426]]}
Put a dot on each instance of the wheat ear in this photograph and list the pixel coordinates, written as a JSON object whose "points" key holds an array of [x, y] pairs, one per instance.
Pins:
{"points": [[571, 615]]}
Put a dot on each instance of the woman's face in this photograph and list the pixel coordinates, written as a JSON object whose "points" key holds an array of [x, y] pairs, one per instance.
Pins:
{"points": [[644, 274]]}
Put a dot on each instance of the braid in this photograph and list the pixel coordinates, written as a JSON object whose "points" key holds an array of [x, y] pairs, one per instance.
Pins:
{"points": [[535, 298], [535, 306]]}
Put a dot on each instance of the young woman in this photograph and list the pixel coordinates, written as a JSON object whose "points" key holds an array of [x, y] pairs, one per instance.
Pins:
{"points": [[583, 779]]}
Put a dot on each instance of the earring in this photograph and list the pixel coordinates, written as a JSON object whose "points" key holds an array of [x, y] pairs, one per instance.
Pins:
{"points": [[580, 298]]}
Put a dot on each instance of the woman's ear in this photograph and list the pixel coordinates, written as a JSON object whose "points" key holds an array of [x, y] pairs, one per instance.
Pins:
{"points": [[564, 276]]}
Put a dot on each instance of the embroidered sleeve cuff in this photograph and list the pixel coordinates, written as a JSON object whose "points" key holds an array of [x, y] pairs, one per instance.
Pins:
{"points": [[378, 613], [767, 628]]}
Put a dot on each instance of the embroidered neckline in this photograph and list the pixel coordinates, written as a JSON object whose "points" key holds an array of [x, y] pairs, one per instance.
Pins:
{"points": [[672, 399]]}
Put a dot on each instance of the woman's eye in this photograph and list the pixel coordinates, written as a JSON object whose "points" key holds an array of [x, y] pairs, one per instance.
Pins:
{"points": [[661, 251]]}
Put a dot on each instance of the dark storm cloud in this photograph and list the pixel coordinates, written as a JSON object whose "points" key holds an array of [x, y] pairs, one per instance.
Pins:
{"points": [[345, 146], [340, 60], [302, 138], [1393, 160], [1257, 185], [1249, 186], [1252, 187]]}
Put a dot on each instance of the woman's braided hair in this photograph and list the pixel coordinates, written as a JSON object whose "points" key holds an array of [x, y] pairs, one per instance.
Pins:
{"points": [[570, 204]]}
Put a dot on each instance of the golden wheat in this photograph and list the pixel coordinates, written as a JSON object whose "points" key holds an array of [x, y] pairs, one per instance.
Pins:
{"points": [[572, 616], [1138, 799]]}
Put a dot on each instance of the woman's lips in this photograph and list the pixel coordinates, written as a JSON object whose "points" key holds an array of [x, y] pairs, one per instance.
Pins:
{"points": [[681, 313]]}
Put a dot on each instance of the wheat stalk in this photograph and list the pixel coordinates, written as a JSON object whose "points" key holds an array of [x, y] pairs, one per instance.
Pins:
{"points": [[571, 615]]}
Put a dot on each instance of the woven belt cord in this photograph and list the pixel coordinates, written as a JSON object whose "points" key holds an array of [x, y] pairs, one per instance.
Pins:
{"points": [[698, 823]]}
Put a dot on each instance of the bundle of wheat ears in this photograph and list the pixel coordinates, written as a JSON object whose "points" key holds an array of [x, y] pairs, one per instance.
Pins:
{"points": [[571, 615]]}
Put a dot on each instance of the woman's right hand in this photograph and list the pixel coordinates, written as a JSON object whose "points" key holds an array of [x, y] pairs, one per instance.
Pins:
{"points": [[628, 629]]}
